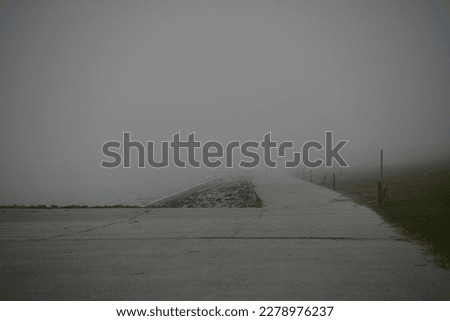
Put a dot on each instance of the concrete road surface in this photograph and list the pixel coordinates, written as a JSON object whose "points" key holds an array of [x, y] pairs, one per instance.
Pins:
{"points": [[306, 243]]}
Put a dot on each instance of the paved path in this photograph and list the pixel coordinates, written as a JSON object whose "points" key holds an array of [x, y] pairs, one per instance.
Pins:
{"points": [[306, 243]]}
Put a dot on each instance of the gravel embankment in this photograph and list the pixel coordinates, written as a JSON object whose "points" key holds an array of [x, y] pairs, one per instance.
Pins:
{"points": [[228, 194]]}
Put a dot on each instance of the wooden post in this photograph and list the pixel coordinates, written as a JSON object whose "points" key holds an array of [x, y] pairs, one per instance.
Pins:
{"points": [[381, 168], [380, 192], [381, 188], [334, 181]]}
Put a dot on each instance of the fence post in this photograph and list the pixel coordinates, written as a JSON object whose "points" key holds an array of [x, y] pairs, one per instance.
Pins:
{"points": [[381, 188], [380, 191], [381, 168]]}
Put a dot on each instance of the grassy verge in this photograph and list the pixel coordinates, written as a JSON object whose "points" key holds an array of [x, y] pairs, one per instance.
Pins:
{"points": [[418, 202]]}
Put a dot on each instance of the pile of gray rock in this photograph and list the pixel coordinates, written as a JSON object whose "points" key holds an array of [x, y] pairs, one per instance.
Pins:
{"points": [[228, 194]]}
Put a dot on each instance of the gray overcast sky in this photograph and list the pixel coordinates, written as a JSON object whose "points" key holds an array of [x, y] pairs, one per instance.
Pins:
{"points": [[74, 74]]}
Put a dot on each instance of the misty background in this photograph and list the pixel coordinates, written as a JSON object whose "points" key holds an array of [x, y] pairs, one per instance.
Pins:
{"points": [[75, 74]]}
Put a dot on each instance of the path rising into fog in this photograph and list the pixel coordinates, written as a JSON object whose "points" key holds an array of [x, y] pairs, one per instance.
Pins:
{"points": [[306, 243]]}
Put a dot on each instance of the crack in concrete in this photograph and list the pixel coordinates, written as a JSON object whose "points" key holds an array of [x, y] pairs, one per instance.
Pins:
{"points": [[319, 238], [94, 228]]}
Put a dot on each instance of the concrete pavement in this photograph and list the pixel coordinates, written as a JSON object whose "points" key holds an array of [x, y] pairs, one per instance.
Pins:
{"points": [[306, 243]]}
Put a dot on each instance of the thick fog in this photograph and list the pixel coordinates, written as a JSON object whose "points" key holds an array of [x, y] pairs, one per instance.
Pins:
{"points": [[75, 74]]}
